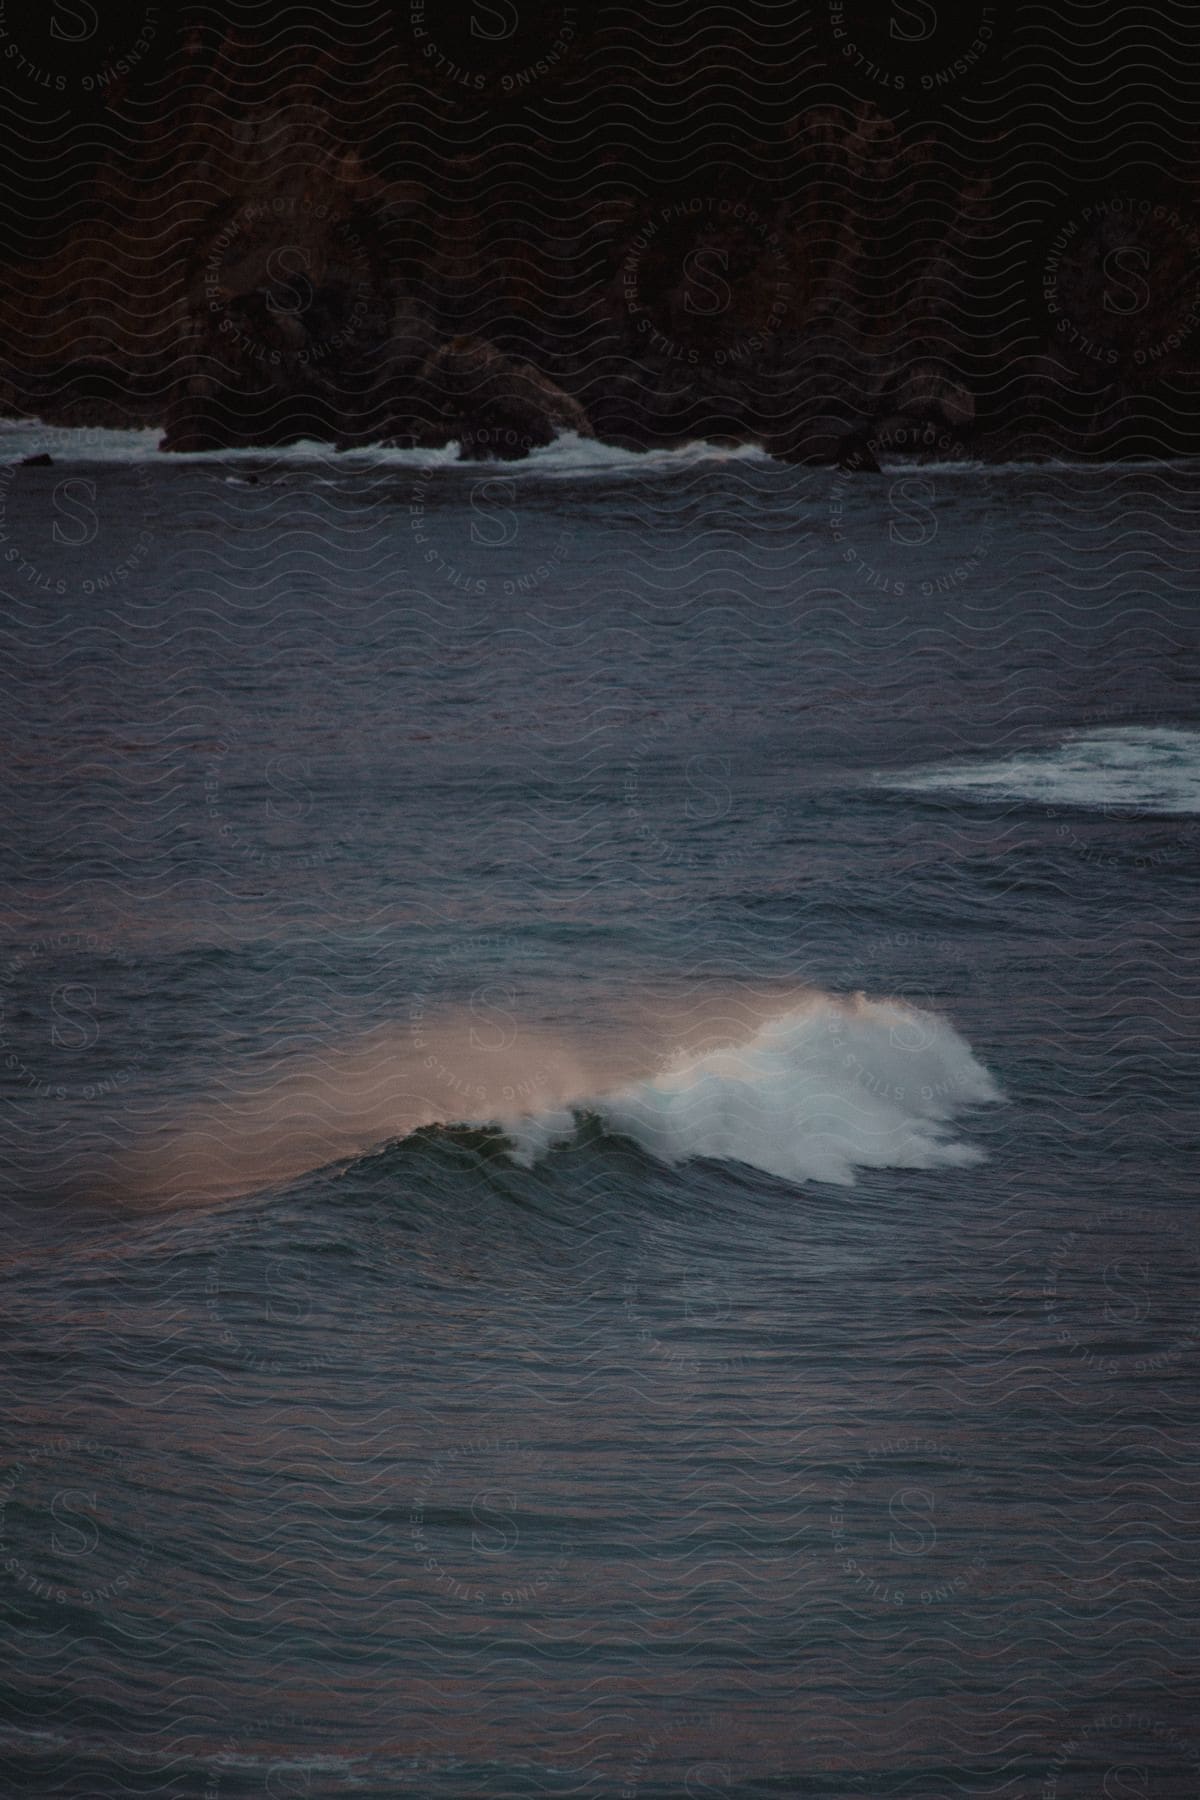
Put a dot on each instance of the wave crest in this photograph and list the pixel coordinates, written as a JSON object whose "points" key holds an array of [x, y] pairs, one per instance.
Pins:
{"points": [[815, 1094]]}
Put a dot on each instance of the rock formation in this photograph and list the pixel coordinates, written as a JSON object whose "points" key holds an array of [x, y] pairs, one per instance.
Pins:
{"points": [[356, 251]]}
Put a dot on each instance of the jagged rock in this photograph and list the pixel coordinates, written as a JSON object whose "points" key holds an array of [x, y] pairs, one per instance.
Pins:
{"points": [[390, 405], [262, 267], [495, 407], [286, 316], [856, 455], [826, 439], [930, 391], [81, 395]]}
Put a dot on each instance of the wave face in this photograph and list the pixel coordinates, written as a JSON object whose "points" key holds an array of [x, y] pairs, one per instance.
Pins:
{"points": [[815, 1094], [1154, 769]]}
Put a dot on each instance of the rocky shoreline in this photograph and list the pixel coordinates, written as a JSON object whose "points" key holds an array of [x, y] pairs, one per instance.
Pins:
{"points": [[496, 407], [252, 270]]}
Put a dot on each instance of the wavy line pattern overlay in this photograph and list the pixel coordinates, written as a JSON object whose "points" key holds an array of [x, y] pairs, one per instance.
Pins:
{"points": [[597, 1005]]}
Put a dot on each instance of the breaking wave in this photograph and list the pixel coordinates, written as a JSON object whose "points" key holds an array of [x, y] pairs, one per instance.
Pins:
{"points": [[816, 1094], [809, 1093]]}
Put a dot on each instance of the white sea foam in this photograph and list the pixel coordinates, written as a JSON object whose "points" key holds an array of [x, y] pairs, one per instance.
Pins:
{"points": [[1153, 769], [30, 437], [816, 1093], [569, 455]]}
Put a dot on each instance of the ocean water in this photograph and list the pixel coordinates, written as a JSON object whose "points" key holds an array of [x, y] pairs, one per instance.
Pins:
{"points": [[598, 1065]]}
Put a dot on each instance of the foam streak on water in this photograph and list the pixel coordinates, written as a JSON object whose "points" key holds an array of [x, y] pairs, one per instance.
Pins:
{"points": [[1154, 769]]}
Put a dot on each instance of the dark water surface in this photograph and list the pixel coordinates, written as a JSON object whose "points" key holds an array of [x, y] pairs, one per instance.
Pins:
{"points": [[780, 1412]]}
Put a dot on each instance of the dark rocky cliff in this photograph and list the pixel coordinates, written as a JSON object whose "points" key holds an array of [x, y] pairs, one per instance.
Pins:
{"points": [[652, 235]]}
